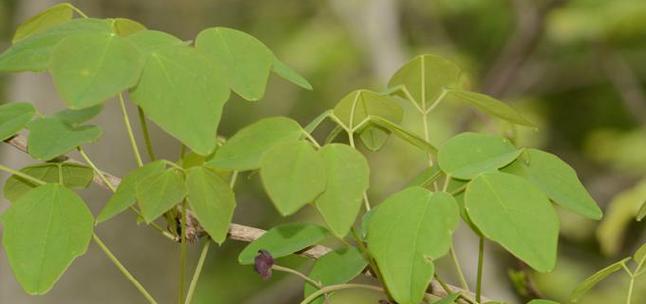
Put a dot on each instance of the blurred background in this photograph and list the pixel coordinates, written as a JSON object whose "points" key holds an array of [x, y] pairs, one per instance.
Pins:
{"points": [[577, 68]]}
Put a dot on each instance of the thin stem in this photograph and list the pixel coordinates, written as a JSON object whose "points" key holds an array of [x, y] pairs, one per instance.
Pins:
{"points": [[443, 284], [22, 175], [351, 139], [480, 266], [182, 254], [630, 290], [131, 136], [447, 179], [299, 274], [458, 268], [144, 130], [234, 178], [366, 202], [123, 270], [78, 11], [198, 271], [310, 138], [331, 288], [96, 170]]}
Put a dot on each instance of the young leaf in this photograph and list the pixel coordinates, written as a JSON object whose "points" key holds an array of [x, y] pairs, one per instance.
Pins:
{"points": [[45, 20], [640, 255], [88, 69], [293, 175], [490, 106], [212, 200], [71, 175], [359, 104], [558, 180], [76, 117], [594, 279], [403, 134], [283, 240], [336, 267], [426, 77], [51, 137], [245, 149], [243, 59], [406, 233], [14, 117], [181, 92], [44, 231], [348, 176], [159, 192], [467, 155], [125, 196], [287, 73], [374, 137], [126, 27], [511, 211], [33, 53]]}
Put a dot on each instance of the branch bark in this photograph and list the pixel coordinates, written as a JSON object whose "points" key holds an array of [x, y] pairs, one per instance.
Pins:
{"points": [[236, 231]]}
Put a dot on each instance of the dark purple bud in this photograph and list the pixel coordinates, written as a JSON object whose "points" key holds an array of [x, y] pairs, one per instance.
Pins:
{"points": [[264, 262]]}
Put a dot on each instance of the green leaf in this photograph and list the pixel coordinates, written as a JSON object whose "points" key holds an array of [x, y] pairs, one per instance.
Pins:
{"points": [[44, 231], [514, 213], [88, 69], [149, 41], [374, 137], [283, 240], [33, 53], [287, 73], [126, 27], [348, 177], [426, 77], [426, 177], [539, 301], [490, 106], [14, 117], [336, 267], [558, 180], [620, 213], [293, 175], [640, 255], [244, 150], [360, 104], [242, 58], [403, 134], [72, 176], [467, 155], [594, 279], [181, 92], [642, 212], [125, 196], [158, 192], [45, 20], [212, 200], [51, 137], [450, 299], [406, 233], [76, 117]]}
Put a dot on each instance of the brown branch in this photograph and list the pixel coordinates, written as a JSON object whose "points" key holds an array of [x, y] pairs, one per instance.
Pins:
{"points": [[236, 231]]}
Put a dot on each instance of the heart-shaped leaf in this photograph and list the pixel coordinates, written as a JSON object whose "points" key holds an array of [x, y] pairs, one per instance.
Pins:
{"points": [[336, 267], [283, 240], [406, 233], [212, 200], [44, 231], [69, 174], [159, 192], [511, 211], [51, 137], [14, 117], [293, 175], [348, 177]]}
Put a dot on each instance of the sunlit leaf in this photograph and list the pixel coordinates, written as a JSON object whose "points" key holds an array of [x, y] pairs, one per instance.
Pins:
{"points": [[283, 240], [244, 60], [336, 267], [71, 175], [51, 137], [490, 106], [158, 192], [408, 231], [44, 231], [516, 214], [149, 41], [14, 117], [348, 177], [244, 150], [125, 27], [212, 200], [293, 175], [469, 154], [594, 279], [45, 20]]}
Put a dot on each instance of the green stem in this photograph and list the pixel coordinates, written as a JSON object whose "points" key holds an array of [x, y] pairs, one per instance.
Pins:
{"points": [[78, 11], [310, 138], [332, 288], [131, 136], [22, 175], [630, 290], [480, 266], [123, 270], [234, 178], [198, 271], [458, 268], [147, 139], [299, 274], [182, 254], [96, 170]]}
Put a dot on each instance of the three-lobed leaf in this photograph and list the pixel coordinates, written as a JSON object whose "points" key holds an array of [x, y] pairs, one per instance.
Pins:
{"points": [[406, 233], [14, 117], [69, 175], [283, 240], [335, 267], [44, 231], [516, 214], [51, 137], [158, 192]]}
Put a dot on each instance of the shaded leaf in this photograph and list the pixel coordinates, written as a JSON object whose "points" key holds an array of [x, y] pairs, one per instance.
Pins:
{"points": [[355, 107], [514, 213], [403, 134], [283, 240], [490, 106], [14, 117], [51, 137], [336, 267], [642, 212], [158, 192], [75, 117], [640, 255], [287, 73], [44, 231], [450, 299], [44, 20], [594, 279], [426, 177], [72, 176], [620, 213]]}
